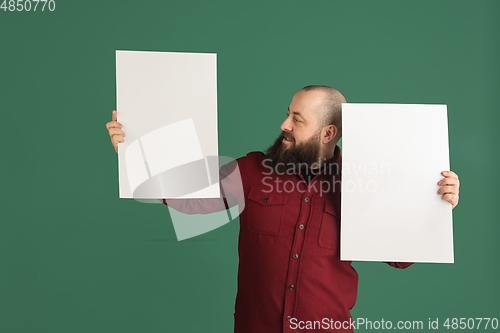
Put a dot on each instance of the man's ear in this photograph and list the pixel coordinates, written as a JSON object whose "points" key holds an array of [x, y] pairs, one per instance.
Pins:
{"points": [[328, 133]]}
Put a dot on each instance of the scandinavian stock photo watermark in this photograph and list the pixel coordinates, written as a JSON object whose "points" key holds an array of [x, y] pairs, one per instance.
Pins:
{"points": [[367, 182], [194, 216], [383, 324]]}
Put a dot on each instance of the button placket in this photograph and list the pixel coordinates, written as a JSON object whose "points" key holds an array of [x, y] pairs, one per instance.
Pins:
{"points": [[297, 247]]}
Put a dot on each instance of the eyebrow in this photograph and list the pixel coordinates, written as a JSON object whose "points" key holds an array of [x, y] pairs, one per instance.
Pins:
{"points": [[295, 112]]}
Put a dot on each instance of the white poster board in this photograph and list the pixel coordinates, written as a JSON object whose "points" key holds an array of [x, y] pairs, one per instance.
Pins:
{"points": [[392, 159], [167, 104]]}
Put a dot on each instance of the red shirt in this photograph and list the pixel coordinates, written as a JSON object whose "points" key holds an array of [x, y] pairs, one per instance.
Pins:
{"points": [[290, 271]]}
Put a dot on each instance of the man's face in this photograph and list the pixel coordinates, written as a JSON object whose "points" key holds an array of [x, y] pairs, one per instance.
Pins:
{"points": [[299, 143], [301, 124]]}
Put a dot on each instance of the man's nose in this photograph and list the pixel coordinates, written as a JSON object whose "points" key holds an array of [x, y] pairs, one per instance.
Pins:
{"points": [[286, 126]]}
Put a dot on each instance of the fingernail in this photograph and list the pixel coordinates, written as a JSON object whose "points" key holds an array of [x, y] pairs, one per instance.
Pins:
{"points": [[445, 173]]}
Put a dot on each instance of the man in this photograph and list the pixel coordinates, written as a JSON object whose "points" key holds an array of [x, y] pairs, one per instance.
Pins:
{"points": [[290, 273]]}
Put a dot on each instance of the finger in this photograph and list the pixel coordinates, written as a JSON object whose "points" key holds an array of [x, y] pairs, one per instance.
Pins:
{"points": [[448, 189], [449, 174], [117, 138], [451, 198], [112, 124], [449, 181], [115, 131], [114, 115]]}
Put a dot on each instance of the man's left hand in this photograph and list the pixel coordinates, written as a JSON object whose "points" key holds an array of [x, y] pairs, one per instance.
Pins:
{"points": [[449, 187]]}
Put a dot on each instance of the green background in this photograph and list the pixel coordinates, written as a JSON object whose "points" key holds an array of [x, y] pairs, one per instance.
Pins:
{"points": [[76, 258]]}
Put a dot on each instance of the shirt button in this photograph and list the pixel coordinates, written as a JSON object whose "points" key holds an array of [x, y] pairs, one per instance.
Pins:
{"points": [[306, 199], [301, 226], [295, 256], [266, 199], [288, 318], [292, 286]]}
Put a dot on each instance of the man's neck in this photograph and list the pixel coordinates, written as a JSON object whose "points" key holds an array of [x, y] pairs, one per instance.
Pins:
{"points": [[323, 160]]}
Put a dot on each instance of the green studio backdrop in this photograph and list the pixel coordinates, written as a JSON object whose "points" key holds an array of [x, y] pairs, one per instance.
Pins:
{"points": [[76, 258]]}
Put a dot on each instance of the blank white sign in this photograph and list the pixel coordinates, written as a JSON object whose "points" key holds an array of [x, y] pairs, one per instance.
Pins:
{"points": [[392, 159], [167, 104]]}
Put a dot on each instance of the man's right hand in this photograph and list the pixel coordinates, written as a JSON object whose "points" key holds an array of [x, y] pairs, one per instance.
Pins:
{"points": [[115, 131]]}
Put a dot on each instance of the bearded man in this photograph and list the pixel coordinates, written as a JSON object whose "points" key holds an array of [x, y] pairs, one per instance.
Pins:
{"points": [[290, 276]]}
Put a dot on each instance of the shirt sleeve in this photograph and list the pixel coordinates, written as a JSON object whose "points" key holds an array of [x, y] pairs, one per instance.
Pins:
{"points": [[401, 265], [231, 193]]}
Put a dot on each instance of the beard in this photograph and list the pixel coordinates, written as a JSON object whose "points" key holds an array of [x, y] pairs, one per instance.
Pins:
{"points": [[295, 157]]}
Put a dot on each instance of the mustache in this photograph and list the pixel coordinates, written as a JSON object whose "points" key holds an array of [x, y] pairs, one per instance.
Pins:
{"points": [[287, 136]]}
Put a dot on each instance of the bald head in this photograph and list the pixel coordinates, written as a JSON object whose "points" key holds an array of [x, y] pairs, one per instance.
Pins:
{"points": [[329, 108]]}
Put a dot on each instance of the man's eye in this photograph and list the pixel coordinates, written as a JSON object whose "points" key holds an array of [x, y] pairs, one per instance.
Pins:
{"points": [[296, 120]]}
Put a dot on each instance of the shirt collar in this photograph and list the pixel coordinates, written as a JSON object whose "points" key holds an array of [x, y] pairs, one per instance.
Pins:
{"points": [[335, 164]]}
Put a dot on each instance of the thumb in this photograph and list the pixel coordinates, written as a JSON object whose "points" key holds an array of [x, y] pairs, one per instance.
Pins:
{"points": [[114, 115]]}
